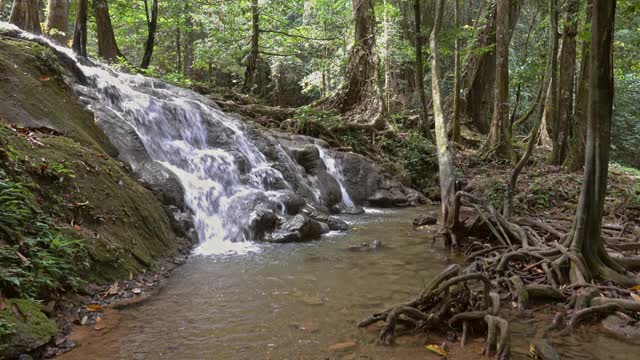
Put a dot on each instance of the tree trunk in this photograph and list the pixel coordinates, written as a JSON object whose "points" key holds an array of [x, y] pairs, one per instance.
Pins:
{"points": [[107, 46], [79, 45], [587, 239], [456, 76], [3, 5], [552, 119], [361, 85], [189, 43], [575, 155], [179, 67], [152, 26], [58, 20], [478, 73], [566, 79], [25, 14], [423, 124], [499, 139], [387, 62], [252, 58], [445, 164]]}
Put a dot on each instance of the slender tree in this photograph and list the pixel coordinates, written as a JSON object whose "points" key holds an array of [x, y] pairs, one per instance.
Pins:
{"points": [[575, 155], [58, 20], [79, 44], [445, 164], [152, 26], [107, 45], [499, 140], [252, 59], [587, 241], [423, 124], [455, 127], [25, 14]]}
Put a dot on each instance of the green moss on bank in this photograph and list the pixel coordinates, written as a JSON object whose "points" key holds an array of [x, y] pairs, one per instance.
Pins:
{"points": [[29, 328]]}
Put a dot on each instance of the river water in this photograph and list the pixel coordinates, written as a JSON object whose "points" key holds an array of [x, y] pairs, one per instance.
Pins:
{"points": [[296, 301]]}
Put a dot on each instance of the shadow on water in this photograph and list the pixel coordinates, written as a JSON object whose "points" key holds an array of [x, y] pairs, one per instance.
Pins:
{"points": [[296, 301]]}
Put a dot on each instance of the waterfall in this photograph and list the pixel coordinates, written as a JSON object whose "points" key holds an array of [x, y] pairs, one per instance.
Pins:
{"points": [[333, 169], [223, 173]]}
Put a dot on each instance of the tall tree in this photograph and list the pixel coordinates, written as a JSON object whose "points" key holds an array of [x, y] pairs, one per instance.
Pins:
{"points": [[455, 127], [575, 155], [25, 14], [152, 26], [252, 58], [566, 80], [58, 20], [499, 139], [551, 119], [587, 241], [79, 44], [423, 124], [361, 85], [107, 45], [445, 164]]}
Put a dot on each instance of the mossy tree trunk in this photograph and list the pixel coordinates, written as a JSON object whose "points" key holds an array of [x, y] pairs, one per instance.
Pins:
{"points": [[455, 127], [79, 44], [499, 140], [445, 164], [575, 155], [25, 14], [587, 240], [107, 45], [58, 20]]}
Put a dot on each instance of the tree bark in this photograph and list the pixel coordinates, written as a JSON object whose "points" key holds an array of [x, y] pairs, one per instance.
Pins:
{"points": [[552, 119], [107, 45], [361, 84], [188, 45], [152, 26], [478, 73], [252, 58], [456, 76], [587, 240], [499, 140], [58, 20], [423, 123], [445, 164], [25, 14], [575, 155], [79, 45]]}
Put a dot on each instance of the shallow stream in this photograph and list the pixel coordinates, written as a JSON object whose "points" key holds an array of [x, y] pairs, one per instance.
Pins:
{"points": [[297, 301]]}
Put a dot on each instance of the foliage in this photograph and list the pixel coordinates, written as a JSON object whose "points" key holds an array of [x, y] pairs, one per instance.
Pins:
{"points": [[36, 256], [410, 157]]}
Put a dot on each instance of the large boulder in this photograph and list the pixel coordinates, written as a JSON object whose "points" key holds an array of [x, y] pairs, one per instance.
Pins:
{"points": [[25, 328], [308, 228]]}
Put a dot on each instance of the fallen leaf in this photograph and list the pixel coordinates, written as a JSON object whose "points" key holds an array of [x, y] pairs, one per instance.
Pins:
{"points": [[635, 288], [3, 304], [94, 307], [436, 349], [137, 291], [99, 325], [130, 276], [77, 227], [343, 346], [84, 320], [635, 297], [82, 203], [44, 78], [18, 313]]}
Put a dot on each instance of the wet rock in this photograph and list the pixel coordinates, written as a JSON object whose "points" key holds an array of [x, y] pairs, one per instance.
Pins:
{"points": [[333, 222], [281, 237], [622, 327], [307, 227], [293, 203], [415, 197], [387, 198], [29, 334], [354, 210], [262, 221], [325, 228], [423, 220], [309, 158]]}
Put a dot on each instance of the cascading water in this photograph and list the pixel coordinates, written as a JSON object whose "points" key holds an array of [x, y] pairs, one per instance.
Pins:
{"points": [[333, 169], [223, 173]]}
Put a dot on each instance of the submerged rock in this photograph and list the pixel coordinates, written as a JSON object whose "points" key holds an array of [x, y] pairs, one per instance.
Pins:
{"points": [[423, 220], [308, 228]]}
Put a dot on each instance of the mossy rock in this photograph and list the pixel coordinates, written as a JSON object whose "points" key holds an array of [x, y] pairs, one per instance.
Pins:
{"points": [[29, 332]]}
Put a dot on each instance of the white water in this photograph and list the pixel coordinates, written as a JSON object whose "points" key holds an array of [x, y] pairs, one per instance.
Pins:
{"points": [[223, 173], [334, 171]]}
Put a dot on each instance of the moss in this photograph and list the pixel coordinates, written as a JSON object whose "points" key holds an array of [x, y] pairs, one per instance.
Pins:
{"points": [[33, 94], [29, 333]]}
